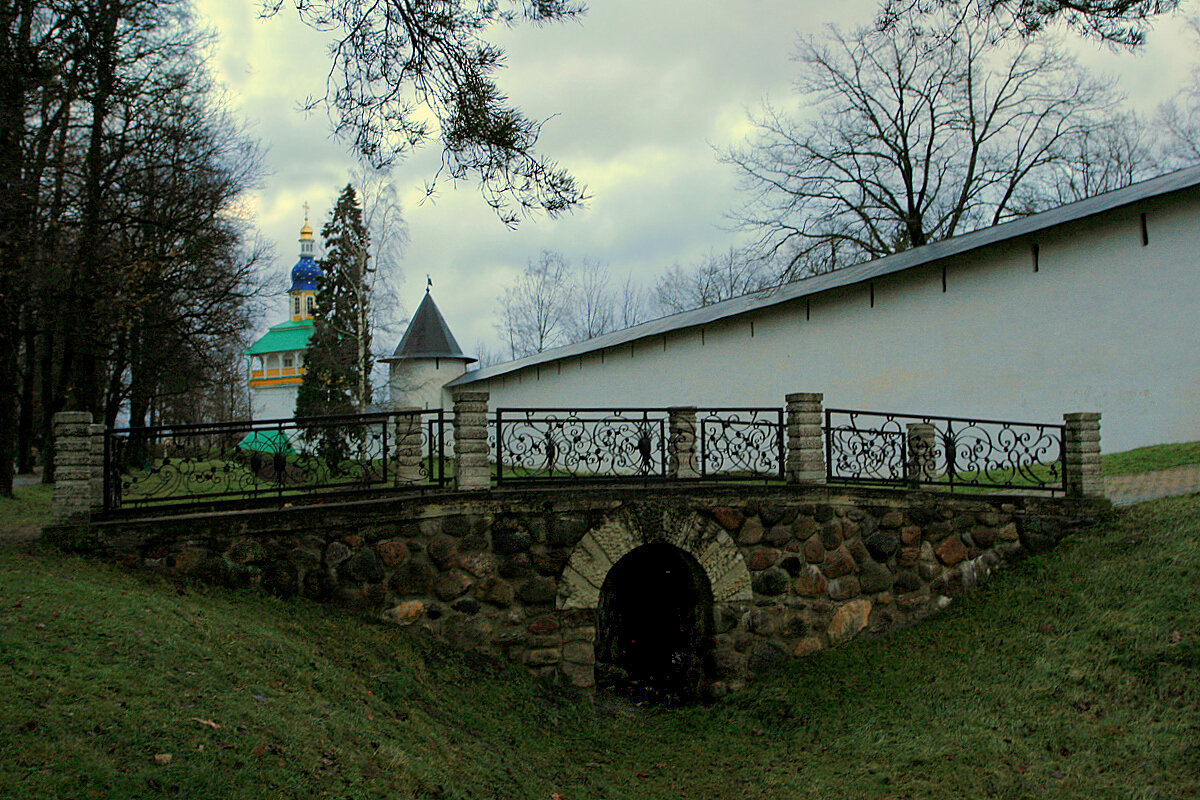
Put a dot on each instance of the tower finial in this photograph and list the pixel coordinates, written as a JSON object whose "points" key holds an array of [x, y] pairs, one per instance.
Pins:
{"points": [[428, 283], [306, 233]]}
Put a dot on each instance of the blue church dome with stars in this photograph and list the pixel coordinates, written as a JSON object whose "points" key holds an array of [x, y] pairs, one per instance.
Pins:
{"points": [[306, 275]]}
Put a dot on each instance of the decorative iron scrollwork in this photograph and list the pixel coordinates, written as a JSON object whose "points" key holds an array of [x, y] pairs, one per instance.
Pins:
{"points": [[740, 442], [950, 452], [189, 464], [549, 443]]}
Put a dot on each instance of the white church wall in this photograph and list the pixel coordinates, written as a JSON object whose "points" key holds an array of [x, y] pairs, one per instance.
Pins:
{"points": [[274, 402], [1104, 324]]}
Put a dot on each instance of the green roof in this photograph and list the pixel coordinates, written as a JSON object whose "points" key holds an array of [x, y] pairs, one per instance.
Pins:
{"points": [[267, 442], [284, 336]]}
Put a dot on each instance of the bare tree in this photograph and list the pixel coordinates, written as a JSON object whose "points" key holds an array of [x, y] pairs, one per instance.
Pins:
{"points": [[383, 216], [181, 267], [1097, 160], [400, 62], [593, 302], [632, 304], [554, 304], [1122, 22], [910, 138], [720, 276], [485, 355], [1178, 120], [123, 263], [535, 313]]}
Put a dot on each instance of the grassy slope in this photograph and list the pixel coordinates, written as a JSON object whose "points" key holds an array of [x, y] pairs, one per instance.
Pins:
{"points": [[1076, 674], [24, 514], [1145, 459]]}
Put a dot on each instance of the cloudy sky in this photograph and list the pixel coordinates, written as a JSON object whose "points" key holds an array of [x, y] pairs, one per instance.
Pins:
{"points": [[637, 96]]}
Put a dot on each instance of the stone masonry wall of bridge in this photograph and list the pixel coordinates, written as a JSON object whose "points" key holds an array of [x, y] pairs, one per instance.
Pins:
{"points": [[517, 574]]}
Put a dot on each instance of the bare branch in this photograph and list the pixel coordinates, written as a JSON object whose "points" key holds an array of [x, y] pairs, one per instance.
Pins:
{"points": [[1118, 22], [913, 135]]}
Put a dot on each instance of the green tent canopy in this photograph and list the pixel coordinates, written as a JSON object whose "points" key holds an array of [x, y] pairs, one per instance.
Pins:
{"points": [[267, 442]]}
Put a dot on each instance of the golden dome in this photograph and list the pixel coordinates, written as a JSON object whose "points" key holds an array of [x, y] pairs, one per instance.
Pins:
{"points": [[306, 233]]}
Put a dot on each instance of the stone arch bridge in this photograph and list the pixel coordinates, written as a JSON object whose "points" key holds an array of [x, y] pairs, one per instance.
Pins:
{"points": [[718, 547], [675, 590]]}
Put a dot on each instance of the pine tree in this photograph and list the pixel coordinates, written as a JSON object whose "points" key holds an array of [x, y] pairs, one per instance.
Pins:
{"points": [[338, 364]]}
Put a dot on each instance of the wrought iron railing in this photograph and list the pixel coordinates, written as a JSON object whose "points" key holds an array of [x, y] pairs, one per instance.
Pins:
{"points": [[740, 443], [188, 464], [539, 444], [948, 452], [543, 444]]}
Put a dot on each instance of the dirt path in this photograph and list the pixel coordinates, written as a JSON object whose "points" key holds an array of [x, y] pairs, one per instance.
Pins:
{"points": [[1125, 490]]}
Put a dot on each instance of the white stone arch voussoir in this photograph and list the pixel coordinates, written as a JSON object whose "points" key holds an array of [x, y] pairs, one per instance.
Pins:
{"points": [[622, 531]]}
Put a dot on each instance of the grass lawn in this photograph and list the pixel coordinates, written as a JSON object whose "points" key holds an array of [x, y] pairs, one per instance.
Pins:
{"points": [[199, 479], [1072, 675], [26, 513], [1155, 457]]}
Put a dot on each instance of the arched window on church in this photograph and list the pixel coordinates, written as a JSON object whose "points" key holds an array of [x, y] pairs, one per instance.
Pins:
{"points": [[272, 363], [288, 363], [296, 306], [309, 304]]}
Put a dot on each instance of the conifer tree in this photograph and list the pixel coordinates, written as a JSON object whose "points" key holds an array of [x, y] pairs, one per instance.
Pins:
{"points": [[337, 377]]}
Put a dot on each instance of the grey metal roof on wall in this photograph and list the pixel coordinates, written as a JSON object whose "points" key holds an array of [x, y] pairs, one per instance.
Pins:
{"points": [[428, 336], [859, 273]]}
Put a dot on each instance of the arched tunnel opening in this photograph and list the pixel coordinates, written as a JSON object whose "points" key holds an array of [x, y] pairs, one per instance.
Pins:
{"points": [[654, 627]]}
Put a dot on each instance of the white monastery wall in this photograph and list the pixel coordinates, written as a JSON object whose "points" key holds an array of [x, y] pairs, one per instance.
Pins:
{"points": [[1104, 324]]}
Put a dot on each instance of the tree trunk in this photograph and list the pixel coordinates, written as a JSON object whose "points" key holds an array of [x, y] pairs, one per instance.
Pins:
{"points": [[15, 79], [25, 422], [8, 410], [81, 357], [50, 401]]}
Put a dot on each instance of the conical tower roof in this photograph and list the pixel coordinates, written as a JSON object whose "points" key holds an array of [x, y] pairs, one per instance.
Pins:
{"points": [[428, 335]]}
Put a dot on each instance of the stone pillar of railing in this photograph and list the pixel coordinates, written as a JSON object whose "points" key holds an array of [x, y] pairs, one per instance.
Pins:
{"points": [[921, 441], [805, 444], [681, 444], [96, 434], [409, 452], [471, 468], [75, 468], [1081, 447]]}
